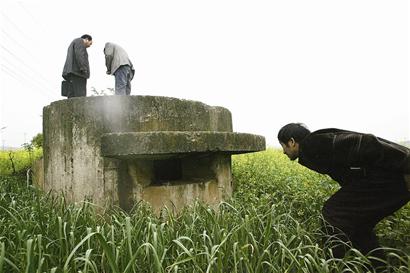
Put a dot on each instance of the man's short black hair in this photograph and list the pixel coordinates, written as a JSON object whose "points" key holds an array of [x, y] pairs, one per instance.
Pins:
{"points": [[297, 131], [87, 37]]}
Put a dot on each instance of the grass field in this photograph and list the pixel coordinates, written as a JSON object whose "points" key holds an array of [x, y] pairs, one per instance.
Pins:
{"points": [[272, 224]]}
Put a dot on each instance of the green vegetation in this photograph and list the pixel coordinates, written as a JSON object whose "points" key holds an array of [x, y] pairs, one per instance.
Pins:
{"points": [[37, 140], [18, 161], [270, 225]]}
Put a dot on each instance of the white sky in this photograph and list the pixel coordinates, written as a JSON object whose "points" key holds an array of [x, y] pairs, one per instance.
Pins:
{"points": [[326, 63]]}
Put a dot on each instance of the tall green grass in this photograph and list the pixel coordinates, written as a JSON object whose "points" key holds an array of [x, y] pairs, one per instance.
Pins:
{"points": [[270, 225]]}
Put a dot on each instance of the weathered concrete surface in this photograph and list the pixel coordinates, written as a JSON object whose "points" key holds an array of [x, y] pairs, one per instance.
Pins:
{"points": [[38, 173], [74, 162], [180, 195], [146, 144], [206, 178]]}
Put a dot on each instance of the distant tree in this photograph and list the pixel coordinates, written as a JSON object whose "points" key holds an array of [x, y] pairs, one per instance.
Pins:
{"points": [[11, 157], [29, 147], [104, 92], [37, 140]]}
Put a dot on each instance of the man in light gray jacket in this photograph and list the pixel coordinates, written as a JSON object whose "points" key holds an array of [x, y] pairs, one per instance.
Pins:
{"points": [[76, 69], [119, 65]]}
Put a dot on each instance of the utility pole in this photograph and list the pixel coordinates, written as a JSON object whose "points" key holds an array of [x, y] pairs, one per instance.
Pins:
{"points": [[2, 138]]}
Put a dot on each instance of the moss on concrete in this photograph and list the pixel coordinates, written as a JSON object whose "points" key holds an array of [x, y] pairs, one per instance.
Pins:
{"points": [[89, 141], [143, 144]]}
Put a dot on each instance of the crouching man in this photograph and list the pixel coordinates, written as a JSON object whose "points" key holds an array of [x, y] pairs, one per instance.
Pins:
{"points": [[371, 171]]}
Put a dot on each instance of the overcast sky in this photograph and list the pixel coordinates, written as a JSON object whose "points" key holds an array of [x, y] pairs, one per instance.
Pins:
{"points": [[340, 64]]}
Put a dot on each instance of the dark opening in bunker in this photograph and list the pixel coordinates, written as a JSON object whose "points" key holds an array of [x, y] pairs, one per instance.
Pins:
{"points": [[167, 170]]}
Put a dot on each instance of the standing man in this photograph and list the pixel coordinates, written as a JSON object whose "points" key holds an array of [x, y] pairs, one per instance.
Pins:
{"points": [[371, 172], [119, 65], [76, 68]]}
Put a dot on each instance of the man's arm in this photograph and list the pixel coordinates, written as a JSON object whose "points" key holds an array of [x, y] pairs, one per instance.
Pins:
{"points": [[385, 154], [370, 151], [108, 62], [109, 56], [81, 57]]}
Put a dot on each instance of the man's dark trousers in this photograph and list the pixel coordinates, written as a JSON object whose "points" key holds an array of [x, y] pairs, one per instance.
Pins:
{"points": [[79, 86], [356, 208]]}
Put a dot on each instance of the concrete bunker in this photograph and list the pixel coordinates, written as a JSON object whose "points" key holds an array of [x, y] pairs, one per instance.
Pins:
{"points": [[120, 150]]}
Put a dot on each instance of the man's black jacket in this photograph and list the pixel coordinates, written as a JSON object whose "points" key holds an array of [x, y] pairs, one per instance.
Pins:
{"points": [[347, 156], [77, 60]]}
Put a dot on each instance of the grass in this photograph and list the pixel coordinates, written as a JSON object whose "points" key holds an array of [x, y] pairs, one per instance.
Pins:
{"points": [[270, 225]]}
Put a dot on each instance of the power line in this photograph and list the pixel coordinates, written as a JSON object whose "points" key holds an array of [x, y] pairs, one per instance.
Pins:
{"points": [[27, 75], [22, 70], [46, 81], [19, 79], [28, 12], [34, 19], [22, 79], [16, 27], [20, 45], [23, 62]]}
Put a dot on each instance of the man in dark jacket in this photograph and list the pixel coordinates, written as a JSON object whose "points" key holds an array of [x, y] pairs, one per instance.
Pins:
{"points": [[76, 68], [371, 171]]}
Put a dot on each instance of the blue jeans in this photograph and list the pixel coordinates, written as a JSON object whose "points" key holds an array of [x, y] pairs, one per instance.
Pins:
{"points": [[123, 77]]}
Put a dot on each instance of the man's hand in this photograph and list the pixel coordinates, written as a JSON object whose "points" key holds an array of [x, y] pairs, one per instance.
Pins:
{"points": [[108, 72]]}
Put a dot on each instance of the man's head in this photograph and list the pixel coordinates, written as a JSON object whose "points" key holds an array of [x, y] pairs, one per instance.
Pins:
{"points": [[290, 136], [88, 40]]}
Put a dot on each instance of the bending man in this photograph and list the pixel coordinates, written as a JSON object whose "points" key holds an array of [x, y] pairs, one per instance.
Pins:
{"points": [[370, 170], [119, 65]]}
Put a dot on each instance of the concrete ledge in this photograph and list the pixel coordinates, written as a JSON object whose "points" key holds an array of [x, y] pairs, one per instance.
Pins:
{"points": [[133, 145]]}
